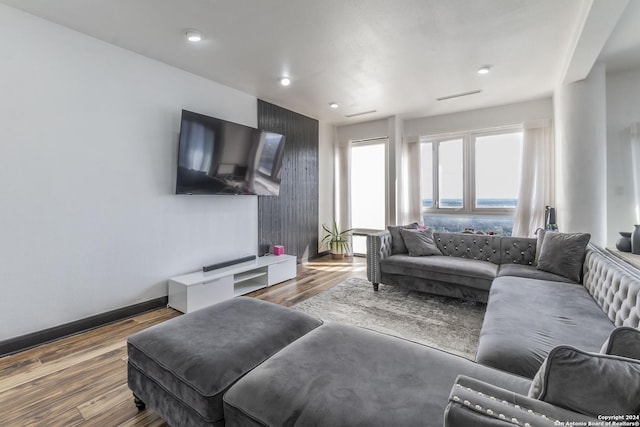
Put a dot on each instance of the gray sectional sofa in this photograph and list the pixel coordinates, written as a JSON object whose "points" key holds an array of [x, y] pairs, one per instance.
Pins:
{"points": [[529, 311], [245, 362], [467, 268]]}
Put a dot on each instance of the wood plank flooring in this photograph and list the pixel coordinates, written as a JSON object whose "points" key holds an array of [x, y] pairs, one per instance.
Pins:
{"points": [[81, 380]]}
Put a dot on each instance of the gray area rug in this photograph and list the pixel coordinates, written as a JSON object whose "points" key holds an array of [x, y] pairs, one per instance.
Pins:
{"points": [[446, 323]]}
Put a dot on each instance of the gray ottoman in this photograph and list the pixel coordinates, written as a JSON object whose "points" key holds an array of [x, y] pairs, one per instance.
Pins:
{"points": [[182, 367], [341, 375]]}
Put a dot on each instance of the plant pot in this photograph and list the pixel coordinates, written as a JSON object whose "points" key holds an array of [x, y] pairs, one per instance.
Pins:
{"points": [[337, 255]]}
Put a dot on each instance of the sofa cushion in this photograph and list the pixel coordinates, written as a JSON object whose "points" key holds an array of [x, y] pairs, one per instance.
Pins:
{"points": [[397, 242], [526, 318], [531, 272], [340, 375], [624, 342], [462, 271], [197, 356], [588, 383], [563, 254], [419, 242]]}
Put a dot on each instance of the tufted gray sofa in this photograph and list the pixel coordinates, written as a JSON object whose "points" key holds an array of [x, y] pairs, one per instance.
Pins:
{"points": [[466, 270], [526, 318], [529, 312]]}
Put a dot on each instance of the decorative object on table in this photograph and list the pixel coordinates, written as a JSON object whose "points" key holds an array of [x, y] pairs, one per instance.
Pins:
{"points": [[623, 244], [635, 240], [550, 219], [278, 250], [336, 240]]}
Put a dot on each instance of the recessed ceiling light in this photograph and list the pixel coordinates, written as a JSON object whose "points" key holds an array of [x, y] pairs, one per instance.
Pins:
{"points": [[333, 104], [194, 36], [285, 81], [484, 70]]}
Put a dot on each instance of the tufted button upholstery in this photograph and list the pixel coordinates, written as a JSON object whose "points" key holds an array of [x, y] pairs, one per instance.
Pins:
{"points": [[518, 250], [378, 248], [614, 286]]}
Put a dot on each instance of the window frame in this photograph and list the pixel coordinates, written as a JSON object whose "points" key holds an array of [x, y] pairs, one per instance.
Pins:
{"points": [[384, 141], [468, 170]]}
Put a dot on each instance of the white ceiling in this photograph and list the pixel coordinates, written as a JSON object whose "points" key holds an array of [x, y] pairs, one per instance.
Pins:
{"points": [[393, 56], [622, 50]]}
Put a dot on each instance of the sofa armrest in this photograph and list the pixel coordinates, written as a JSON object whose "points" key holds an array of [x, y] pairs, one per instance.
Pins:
{"points": [[476, 403], [378, 248]]}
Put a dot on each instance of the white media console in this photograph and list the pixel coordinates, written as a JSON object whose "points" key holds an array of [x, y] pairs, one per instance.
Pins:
{"points": [[197, 290]]}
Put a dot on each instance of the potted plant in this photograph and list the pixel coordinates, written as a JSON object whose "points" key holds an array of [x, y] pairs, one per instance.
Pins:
{"points": [[336, 240]]}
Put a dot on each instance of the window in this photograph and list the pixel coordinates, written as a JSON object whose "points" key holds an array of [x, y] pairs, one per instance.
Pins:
{"points": [[497, 170], [368, 184], [470, 181]]}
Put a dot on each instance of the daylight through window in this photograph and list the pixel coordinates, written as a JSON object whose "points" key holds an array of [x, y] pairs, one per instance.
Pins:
{"points": [[470, 181]]}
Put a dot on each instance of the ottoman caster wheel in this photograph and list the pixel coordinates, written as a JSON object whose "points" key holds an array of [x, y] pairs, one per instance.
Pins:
{"points": [[139, 403]]}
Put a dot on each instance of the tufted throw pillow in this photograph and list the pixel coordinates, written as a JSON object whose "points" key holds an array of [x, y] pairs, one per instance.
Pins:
{"points": [[588, 383], [624, 342], [420, 242], [397, 242], [563, 254]]}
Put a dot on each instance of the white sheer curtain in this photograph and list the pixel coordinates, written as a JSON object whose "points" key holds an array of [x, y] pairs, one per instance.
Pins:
{"points": [[536, 188], [410, 198], [342, 189]]}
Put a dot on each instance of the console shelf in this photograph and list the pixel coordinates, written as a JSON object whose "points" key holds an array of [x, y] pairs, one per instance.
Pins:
{"points": [[238, 278], [193, 291]]}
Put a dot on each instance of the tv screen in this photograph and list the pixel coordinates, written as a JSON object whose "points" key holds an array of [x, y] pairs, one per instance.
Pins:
{"points": [[220, 157]]}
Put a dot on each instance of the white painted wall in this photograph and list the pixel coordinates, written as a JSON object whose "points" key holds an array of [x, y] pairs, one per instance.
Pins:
{"points": [[581, 150], [326, 138], [623, 109], [88, 220], [484, 118]]}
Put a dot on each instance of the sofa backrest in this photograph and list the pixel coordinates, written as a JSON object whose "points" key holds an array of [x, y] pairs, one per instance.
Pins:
{"points": [[518, 250], [472, 246], [614, 285], [495, 249]]}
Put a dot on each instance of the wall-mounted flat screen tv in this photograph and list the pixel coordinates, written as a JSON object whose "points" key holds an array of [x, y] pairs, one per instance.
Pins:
{"points": [[216, 156]]}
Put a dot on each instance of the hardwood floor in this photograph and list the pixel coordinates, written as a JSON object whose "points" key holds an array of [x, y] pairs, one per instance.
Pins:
{"points": [[82, 380]]}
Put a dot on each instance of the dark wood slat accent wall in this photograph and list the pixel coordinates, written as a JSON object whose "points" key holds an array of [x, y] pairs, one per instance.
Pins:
{"points": [[291, 219]]}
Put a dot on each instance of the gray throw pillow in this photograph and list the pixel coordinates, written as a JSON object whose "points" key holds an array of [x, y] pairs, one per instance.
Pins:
{"points": [[563, 254], [588, 383], [540, 236], [420, 242], [397, 242], [624, 342]]}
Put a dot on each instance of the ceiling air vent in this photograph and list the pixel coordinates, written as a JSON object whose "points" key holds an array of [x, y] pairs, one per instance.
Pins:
{"points": [[362, 113], [473, 92]]}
